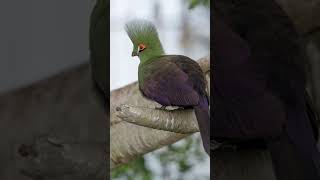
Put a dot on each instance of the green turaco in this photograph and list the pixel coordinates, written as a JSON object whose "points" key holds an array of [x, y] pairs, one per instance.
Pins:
{"points": [[170, 80]]}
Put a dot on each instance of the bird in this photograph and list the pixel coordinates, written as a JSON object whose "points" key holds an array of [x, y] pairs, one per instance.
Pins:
{"points": [[170, 80], [260, 86]]}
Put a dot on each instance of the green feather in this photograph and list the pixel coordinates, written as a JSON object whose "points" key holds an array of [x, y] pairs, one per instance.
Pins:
{"points": [[144, 32]]}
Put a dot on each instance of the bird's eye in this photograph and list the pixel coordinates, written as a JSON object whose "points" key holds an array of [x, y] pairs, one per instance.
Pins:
{"points": [[141, 47]]}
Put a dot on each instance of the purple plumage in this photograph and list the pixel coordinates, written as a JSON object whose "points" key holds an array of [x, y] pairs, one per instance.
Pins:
{"points": [[175, 80]]}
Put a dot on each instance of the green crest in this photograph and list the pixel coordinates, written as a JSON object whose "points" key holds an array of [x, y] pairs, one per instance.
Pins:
{"points": [[144, 32]]}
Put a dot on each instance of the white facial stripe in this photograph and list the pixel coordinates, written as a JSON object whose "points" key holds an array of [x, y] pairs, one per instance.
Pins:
{"points": [[138, 50]]}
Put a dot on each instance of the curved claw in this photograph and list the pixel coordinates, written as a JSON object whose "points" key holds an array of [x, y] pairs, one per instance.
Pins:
{"points": [[161, 108]]}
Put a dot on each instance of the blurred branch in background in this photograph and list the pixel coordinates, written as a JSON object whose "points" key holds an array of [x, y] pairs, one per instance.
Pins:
{"points": [[183, 156], [53, 129]]}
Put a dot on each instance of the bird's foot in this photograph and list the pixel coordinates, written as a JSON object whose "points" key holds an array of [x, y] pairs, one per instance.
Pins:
{"points": [[163, 108]]}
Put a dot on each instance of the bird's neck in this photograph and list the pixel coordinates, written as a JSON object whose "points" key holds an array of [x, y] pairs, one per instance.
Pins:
{"points": [[147, 56]]}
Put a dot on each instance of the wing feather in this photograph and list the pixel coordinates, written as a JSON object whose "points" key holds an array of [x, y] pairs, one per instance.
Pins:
{"points": [[166, 83]]}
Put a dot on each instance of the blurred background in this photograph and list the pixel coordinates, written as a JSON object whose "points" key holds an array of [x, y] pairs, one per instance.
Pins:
{"points": [[184, 28], [40, 38]]}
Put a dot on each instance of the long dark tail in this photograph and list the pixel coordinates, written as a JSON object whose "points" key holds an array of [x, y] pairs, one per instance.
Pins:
{"points": [[203, 118], [295, 155]]}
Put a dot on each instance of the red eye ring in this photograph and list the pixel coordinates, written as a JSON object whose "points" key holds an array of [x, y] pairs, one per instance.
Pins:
{"points": [[141, 47]]}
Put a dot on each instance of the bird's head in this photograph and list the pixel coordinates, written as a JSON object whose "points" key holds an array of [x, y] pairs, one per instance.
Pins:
{"points": [[145, 39]]}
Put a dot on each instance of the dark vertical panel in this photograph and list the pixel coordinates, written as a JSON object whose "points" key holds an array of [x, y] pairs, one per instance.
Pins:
{"points": [[99, 58]]}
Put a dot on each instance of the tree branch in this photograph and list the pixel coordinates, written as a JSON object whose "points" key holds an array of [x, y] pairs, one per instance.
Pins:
{"points": [[178, 121]]}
